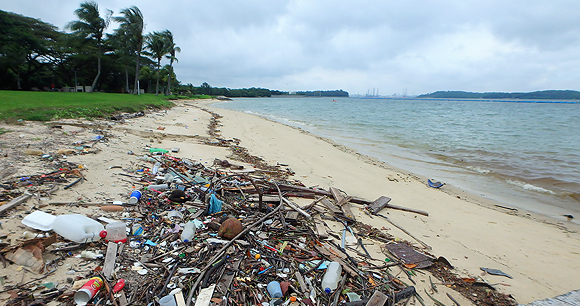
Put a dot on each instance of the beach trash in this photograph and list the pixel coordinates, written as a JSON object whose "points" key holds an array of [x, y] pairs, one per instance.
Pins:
{"points": [[215, 205], [77, 228], [230, 228], [116, 232], [39, 220], [137, 229], [331, 277], [274, 290], [188, 232], [158, 187], [119, 285], [88, 291], [158, 150], [134, 197], [168, 300]]}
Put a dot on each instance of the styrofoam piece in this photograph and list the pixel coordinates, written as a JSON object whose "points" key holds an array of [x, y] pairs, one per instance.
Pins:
{"points": [[39, 220]]}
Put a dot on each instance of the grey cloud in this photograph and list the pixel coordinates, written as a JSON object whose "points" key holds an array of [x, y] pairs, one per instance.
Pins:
{"points": [[305, 45]]}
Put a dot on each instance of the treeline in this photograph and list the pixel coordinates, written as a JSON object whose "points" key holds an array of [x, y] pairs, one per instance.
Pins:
{"points": [[324, 93], [35, 55], [206, 89], [536, 95]]}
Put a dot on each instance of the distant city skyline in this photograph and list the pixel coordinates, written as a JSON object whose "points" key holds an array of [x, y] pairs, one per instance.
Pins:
{"points": [[500, 46]]}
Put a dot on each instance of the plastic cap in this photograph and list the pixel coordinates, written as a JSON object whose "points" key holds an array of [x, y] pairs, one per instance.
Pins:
{"points": [[327, 290], [103, 234], [292, 299], [257, 256], [185, 240]]}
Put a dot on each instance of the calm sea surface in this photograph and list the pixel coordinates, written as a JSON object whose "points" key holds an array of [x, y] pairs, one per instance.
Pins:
{"points": [[520, 154]]}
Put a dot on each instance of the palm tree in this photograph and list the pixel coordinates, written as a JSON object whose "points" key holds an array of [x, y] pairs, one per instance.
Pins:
{"points": [[156, 43], [172, 49], [132, 24], [123, 51], [91, 26]]}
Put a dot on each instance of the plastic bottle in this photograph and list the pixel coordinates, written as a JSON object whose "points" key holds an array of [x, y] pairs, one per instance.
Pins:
{"points": [[274, 290], [156, 168], [77, 228], [331, 277], [188, 231], [119, 285], [158, 187]]}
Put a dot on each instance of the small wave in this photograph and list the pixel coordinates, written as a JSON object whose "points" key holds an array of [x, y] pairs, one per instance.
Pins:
{"points": [[531, 187], [277, 118], [478, 169]]}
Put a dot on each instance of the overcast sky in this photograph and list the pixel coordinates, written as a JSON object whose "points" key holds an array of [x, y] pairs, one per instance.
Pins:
{"points": [[394, 45]]}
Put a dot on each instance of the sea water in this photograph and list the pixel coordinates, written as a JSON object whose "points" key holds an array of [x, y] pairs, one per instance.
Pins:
{"points": [[521, 154]]}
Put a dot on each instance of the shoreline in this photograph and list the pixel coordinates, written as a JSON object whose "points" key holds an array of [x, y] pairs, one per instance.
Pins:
{"points": [[496, 236], [511, 181], [541, 257], [448, 188]]}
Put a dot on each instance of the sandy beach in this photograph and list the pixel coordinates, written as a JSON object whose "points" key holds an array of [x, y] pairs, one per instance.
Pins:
{"points": [[542, 256]]}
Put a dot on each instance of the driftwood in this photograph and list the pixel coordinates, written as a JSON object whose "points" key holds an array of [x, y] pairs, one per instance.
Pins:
{"points": [[15, 202], [296, 208], [225, 247], [405, 231], [383, 202]]}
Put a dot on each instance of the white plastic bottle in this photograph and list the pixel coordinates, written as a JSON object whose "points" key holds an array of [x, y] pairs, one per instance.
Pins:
{"points": [[188, 231], [156, 168], [331, 277]]}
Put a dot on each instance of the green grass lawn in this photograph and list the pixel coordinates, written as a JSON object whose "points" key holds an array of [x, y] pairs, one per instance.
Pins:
{"points": [[45, 106]]}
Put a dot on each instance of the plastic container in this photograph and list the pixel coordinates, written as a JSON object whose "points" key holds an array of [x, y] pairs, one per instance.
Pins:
{"points": [[274, 290], [116, 232], [31, 235], [188, 231], [39, 220], [119, 285], [168, 300], [137, 229], [88, 291], [331, 277], [156, 168], [158, 187], [134, 197], [77, 228]]}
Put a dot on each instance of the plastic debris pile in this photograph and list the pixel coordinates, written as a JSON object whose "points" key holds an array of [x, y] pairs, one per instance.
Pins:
{"points": [[191, 234]]}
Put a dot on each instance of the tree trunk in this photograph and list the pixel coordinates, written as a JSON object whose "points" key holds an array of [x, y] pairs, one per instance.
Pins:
{"points": [[98, 69], [139, 47], [127, 78], [18, 80], [158, 66], [170, 73]]}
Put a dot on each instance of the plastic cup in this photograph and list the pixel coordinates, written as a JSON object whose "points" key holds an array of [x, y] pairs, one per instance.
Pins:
{"points": [[168, 300], [116, 232], [135, 196]]}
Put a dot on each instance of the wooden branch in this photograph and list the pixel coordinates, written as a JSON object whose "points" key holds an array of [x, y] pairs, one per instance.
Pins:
{"points": [[15, 202]]}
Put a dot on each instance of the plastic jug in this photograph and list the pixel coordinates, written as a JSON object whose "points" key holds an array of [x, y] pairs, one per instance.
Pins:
{"points": [[77, 228], [188, 231], [116, 232], [331, 277]]}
